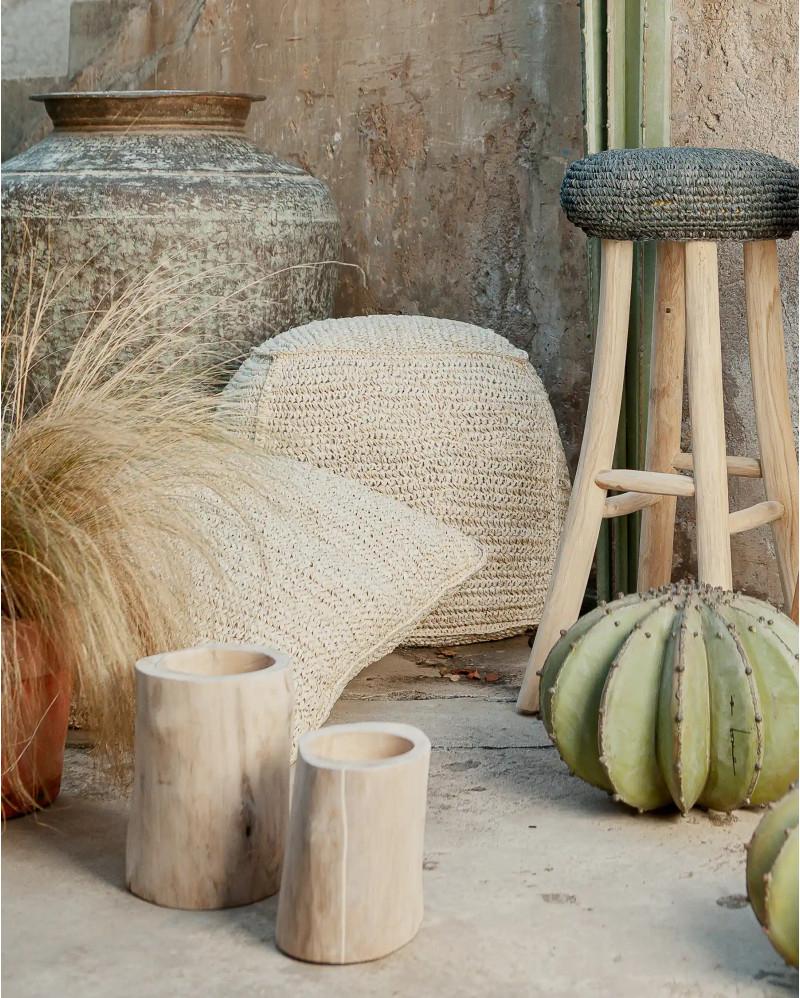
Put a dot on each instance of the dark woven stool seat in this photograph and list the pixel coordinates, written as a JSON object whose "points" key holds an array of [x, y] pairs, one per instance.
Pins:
{"points": [[682, 194]]}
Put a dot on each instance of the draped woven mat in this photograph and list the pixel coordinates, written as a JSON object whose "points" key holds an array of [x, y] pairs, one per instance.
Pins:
{"points": [[323, 569]]}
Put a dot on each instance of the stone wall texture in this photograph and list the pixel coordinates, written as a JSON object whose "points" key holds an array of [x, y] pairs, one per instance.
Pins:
{"points": [[443, 128], [735, 72]]}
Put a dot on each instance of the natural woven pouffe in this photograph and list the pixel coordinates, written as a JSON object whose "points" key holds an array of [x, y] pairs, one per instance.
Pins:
{"points": [[445, 416]]}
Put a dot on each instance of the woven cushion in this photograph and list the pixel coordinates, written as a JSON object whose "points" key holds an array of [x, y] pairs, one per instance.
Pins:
{"points": [[324, 569], [682, 194], [447, 417]]}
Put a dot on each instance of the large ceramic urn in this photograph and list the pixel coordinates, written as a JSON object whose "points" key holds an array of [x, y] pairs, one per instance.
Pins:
{"points": [[132, 181]]}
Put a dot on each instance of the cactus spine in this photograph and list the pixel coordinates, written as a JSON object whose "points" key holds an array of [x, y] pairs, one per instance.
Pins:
{"points": [[686, 694], [773, 857]]}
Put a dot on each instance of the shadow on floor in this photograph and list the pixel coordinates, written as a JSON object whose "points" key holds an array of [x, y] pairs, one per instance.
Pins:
{"points": [[90, 834], [739, 945]]}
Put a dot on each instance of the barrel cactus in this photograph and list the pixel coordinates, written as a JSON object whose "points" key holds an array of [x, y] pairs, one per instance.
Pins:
{"points": [[684, 693], [773, 856]]}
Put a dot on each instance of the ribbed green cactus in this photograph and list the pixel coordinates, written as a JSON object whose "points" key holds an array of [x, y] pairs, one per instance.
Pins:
{"points": [[684, 693], [773, 858]]}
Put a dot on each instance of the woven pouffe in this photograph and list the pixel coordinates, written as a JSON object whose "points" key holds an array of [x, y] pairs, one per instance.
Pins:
{"points": [[444, 416]]}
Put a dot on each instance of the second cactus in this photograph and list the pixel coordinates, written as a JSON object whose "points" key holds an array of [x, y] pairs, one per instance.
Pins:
{"points": [[686, 694], [772, 870]]}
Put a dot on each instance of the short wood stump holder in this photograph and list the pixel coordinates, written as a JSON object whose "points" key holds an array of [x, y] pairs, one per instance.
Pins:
{"points": [[352, 880], [687, 199], [211, 787]]}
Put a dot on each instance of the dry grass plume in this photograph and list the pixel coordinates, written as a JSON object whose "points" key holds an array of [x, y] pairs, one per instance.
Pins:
{"points": [[94, 482]]}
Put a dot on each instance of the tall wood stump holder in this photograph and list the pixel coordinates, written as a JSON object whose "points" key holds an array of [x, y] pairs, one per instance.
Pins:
{"points": [[211, 788], [352, 881]]}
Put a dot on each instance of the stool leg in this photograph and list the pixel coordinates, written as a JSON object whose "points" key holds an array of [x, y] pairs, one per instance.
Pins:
{"points": [[585, 514], [771, 400], [664, 414], [704, 377]]}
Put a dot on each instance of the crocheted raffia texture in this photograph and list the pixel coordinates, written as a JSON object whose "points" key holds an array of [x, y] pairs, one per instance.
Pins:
{"points": [[682, 194], [326, 570], [445, 416]]}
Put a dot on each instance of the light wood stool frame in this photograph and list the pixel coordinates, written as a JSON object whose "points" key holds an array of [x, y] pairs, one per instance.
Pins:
{"points": [[687, 321]]}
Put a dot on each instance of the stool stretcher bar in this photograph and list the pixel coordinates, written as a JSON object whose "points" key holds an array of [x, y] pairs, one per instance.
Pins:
{"points": [[654, 482], [754, 516], [629, 502], [738, 467]]}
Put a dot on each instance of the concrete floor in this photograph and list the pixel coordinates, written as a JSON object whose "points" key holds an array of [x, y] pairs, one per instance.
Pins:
{"points": [[536, 884]]}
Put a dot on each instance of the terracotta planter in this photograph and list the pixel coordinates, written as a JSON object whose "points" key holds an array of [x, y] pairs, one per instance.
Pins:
{"points": [[35, 750], [129, 180]]}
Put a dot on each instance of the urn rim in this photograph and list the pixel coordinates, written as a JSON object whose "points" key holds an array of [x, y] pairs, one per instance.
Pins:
{"points": [[115, 109]]}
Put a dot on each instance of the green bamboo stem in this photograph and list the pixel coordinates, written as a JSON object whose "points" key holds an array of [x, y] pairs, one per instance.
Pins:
{"points": [[593, 51], [627, 62]]}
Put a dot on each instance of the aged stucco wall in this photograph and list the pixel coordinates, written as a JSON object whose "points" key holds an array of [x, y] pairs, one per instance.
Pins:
{"points": [[735, 76], [35, 59], [442, 128]]}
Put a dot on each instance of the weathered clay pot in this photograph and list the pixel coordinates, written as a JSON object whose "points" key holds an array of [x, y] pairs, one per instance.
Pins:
{"points": [[132, 179], [34, 751]]}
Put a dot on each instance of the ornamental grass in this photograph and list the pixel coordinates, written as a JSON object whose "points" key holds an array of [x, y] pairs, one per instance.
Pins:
{"points": [[95, 479]]}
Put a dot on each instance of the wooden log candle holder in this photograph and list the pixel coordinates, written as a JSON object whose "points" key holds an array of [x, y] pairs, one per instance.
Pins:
{"points": [[211, 788], [352, 880]]}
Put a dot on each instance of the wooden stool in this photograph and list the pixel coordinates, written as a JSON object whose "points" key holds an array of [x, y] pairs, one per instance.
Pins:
{"points": [[688, 199]]}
